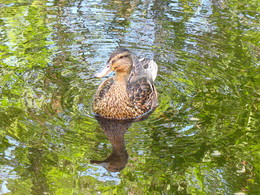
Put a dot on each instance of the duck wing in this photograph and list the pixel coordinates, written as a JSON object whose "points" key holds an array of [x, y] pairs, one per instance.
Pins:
{"points": [[103, 89], [140, 86], [143, 68]]}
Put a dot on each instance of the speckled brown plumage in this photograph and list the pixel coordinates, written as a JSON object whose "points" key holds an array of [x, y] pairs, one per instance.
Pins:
{"points": [[130, 93]]}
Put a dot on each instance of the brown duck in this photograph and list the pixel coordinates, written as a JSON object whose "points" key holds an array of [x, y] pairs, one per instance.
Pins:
{"points": [[130, 93]]}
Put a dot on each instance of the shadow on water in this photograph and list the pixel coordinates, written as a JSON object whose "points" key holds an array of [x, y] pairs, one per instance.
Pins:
{"points": [[115, 130]]}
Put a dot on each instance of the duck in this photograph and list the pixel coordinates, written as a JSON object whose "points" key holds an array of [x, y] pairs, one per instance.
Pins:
{"points": [[130, 93]]}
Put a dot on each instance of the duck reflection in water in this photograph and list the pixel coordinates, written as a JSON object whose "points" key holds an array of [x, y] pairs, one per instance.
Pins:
{"points": [[127, 97], [115, 130]]}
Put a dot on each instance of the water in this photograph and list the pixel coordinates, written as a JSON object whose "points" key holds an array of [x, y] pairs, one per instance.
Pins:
{"points": [[202, 139]]}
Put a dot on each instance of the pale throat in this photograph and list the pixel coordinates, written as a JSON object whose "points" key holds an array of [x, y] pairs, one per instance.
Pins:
{"points": [[121, 77], [122, 74]]}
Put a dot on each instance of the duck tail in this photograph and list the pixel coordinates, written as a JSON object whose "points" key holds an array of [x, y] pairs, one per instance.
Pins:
{"points": [[149, 68]]}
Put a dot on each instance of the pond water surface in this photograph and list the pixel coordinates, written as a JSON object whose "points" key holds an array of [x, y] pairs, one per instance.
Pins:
{"points": [[203, 138]]}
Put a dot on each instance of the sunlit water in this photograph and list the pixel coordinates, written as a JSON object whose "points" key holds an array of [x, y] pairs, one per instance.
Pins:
{"points": [[202, 139]]}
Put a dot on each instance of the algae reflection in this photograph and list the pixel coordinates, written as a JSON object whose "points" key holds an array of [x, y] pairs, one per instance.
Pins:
{"points": [[115, 130]]}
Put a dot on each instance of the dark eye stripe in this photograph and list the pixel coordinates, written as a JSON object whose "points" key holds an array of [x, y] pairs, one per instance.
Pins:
{"points": [[123, 56]]}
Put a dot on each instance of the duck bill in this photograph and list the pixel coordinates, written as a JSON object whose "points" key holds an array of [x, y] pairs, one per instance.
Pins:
{"points": [[103, 72]]}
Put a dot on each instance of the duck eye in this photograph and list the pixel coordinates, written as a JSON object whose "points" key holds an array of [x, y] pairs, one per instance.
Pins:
{"points": [[122, 56]]}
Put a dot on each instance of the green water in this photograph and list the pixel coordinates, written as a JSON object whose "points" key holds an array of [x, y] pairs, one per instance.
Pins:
{"points": [[202, 139]]}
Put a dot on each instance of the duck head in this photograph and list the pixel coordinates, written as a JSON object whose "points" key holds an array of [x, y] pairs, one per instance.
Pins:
{"points": [[120, 61]]}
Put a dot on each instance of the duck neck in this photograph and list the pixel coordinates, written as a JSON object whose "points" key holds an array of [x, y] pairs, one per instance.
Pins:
{"points": [[121, 77]]}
